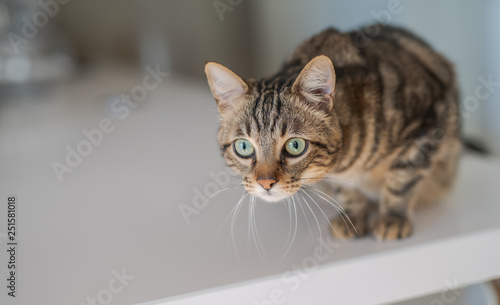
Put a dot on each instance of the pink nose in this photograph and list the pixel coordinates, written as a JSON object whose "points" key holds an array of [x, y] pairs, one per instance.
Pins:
{"points": [[267, 184]]}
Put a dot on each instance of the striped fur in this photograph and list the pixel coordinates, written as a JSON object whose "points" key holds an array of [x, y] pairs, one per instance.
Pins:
{"points": [[392, 134]]}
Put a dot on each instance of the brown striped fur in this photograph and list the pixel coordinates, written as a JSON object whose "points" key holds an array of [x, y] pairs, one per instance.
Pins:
{"points": [[391, 137]]}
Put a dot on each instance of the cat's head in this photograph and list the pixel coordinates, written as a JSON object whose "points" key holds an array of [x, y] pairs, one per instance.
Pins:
{"points": [[278, 133]]}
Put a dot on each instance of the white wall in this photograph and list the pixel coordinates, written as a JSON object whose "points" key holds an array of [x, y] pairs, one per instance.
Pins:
{"points": [[490, 109]]}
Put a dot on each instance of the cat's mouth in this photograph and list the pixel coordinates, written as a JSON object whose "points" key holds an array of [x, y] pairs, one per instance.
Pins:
{"points": [[272, 195]]}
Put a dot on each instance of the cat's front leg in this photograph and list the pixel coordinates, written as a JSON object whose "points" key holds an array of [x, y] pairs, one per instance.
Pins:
{"points": [[354, 223], [397, 202]]}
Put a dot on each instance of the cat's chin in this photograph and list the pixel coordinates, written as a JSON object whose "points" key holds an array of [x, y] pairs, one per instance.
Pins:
{"points": [[272, 196]]}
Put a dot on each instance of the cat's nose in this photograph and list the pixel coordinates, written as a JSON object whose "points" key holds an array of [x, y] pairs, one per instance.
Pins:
{"points": [[267, 184]]}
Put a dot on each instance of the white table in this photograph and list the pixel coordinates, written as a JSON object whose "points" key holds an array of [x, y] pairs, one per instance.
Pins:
{"points": [[119, 210]]}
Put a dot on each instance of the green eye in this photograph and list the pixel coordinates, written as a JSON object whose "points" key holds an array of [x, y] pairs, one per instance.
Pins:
{"points": [[243, 148], [295, 147]]}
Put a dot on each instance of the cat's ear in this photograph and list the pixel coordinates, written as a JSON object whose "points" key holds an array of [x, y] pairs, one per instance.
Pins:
{"points": [[316, 83], [226, 86]]}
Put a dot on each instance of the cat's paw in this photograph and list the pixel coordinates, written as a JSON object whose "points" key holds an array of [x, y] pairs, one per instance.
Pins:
{"points": [[391, 227], [342, 228]]}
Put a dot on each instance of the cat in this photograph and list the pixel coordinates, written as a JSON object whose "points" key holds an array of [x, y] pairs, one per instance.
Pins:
{"points": [[378, 120]]}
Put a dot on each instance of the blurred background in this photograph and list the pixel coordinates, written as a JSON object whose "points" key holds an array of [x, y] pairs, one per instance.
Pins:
{"points": [[250, 37], [128, 200]]}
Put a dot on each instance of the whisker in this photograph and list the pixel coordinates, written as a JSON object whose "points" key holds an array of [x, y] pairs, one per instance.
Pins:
{"points": [[252, 202], [317, 205], [219, 191], [319, 193], [249, 230], [227, 217], [314, 215], [294, 233], [337, 205], [256, 234], [305, 216], [326, 217], [289, 224], [233, 220]]}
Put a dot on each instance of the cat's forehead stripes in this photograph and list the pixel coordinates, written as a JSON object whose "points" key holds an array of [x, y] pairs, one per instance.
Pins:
{"points": [[267, 109]]}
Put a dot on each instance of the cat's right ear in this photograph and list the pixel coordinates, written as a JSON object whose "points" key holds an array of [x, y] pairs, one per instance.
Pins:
{"points": [[316, 82], [227, 87]]}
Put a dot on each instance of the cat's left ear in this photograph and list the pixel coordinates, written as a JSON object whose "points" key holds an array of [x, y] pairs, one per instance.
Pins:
{"points": [[316, 83], [226, 86]]}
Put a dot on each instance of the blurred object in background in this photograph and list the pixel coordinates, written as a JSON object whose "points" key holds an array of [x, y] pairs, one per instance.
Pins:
{"points": [[193, 34], [153, 43], [252, 38], [33, 50]]}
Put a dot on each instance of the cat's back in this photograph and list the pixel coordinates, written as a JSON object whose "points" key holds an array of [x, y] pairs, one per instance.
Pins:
{"points": [[357, 54], [385, 75], [391, 89]]}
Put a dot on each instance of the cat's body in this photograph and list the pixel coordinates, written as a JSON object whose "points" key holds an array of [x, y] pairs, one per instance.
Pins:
{"points": [[383, 126]]}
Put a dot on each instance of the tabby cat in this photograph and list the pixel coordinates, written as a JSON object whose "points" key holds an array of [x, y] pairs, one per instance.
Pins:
{"points": [[378, 119]]}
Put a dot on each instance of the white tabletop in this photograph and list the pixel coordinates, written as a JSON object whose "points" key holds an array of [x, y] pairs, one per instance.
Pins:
{"points": [[119, 211]]}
